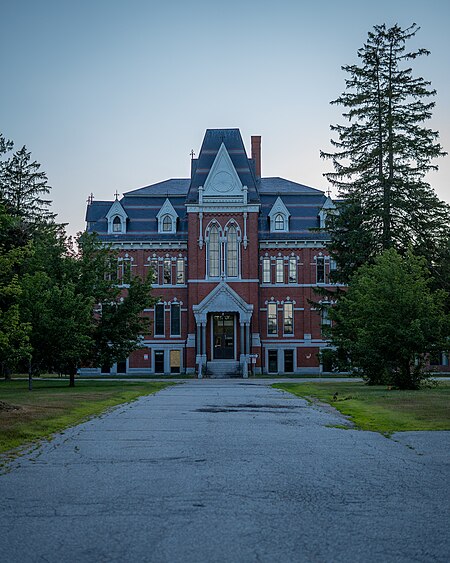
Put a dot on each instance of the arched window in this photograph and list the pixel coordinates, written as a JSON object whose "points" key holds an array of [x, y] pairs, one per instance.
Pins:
{"points": [[214, 252], [279, 222], [232, 252], [167, 223], [117, 225]]}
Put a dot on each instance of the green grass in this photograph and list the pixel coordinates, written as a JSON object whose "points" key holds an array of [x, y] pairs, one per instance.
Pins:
{"points": [[52, 406], [379, 409]]}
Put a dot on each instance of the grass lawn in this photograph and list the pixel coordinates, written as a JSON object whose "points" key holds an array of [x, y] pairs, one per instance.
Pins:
{"points": [[378, 409], [26, 416]]}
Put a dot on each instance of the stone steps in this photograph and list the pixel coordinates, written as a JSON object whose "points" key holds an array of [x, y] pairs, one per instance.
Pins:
{"points": [[218, 369]]}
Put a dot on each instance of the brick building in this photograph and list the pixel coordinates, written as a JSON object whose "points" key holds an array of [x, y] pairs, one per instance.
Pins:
{"points": [[236, 258]]}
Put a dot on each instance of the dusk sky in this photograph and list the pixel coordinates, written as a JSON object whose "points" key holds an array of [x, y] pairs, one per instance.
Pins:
{"points": [[113, 95]]}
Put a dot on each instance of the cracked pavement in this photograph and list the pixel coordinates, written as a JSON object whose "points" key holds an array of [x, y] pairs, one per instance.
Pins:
{"points": [[226, 470]]}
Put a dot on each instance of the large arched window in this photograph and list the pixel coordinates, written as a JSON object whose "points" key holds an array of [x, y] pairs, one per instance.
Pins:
{"points": [[232, 252], [117, 225], [167, 224], [214, 252], [279, 222]]}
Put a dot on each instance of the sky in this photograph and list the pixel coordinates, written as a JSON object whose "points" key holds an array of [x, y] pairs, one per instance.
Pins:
{"points": [[113, 95]]}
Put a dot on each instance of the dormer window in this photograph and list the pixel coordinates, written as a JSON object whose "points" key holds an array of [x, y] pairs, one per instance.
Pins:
{"points": [[117, 225], [167, 224], [279, 217], [167, 218], [117, 219], [279, 222]]}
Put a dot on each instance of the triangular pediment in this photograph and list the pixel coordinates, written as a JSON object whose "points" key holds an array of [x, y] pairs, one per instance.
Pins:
{"points": [[222, 180], [223, 299], [116, 209], [167, 209], [279, 207]]}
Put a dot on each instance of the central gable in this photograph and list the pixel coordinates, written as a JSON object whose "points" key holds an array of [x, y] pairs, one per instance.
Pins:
{"points": [[223, 298], [223, 181]]}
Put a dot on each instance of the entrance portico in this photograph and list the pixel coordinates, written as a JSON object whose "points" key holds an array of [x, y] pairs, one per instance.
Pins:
{"points": [[223, 307]]}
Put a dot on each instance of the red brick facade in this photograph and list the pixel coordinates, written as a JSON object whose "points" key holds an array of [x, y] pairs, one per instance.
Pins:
{"points": [[235, 258]]}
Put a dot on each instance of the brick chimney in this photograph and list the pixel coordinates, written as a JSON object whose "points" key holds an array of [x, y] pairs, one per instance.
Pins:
{"points": [[256, 153]]}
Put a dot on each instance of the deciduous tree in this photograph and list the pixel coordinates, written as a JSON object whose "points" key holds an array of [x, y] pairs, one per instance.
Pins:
{"points": [[389, 320]]}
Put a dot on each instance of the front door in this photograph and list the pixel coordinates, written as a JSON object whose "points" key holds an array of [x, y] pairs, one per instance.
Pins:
{"points": [[223, 336]]}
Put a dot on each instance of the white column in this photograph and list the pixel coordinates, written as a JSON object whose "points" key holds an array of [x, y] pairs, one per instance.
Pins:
{"points": [[247, 334], [204, 339]]}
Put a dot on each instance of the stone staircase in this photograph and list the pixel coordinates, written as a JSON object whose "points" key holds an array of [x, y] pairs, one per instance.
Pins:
{"points": [[219, 369]]}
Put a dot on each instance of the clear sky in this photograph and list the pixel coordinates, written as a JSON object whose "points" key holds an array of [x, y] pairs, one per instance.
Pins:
{"points": [[113, 94]]}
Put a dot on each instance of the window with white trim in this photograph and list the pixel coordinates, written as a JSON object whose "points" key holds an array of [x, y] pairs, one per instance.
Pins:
{"points": [[214, 252], [124, 269], [232, 252], [117, 225], [292, 269], [272, 318], [279, 278], [279, 222], [155, 271], [159, 319], [320, 269], [167, 269], [180, 270], [266, 270], [288, 318], [167, 224], [175, 319]]}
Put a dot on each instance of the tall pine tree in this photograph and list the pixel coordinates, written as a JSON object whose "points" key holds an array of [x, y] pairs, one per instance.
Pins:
{"points": [[382, 156], [23, 187]]}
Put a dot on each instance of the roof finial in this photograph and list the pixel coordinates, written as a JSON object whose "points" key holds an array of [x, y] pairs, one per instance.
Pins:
{"points": [[116, 195], [328, 192], [192, 153], [90, 199]]}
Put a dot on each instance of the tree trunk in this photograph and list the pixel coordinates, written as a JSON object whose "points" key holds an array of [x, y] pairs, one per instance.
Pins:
{"points": [[72, 373]]}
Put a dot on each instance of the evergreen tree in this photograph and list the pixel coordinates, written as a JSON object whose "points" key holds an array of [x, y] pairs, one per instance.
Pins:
{"points": [[23, 186], [382, 156]]}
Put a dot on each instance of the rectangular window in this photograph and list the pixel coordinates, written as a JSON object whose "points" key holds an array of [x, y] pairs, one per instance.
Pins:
{"points": [[326, 321], [292, 270], [126, 276], [167, 271], [175, 319], [112, 269], [175, 361], [155, 271], [159, 319], [180, 270], [159, 361], [288, 318], [266, 270], [280, 271], [320, 269], [288, 361], [272, 318], [273, 361]]}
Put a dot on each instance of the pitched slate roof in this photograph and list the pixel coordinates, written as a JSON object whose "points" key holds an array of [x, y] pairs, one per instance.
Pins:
{"points": [[212, 141], [304, 209], [276, 184], [96, 210], [174, 186], [143, 204]]}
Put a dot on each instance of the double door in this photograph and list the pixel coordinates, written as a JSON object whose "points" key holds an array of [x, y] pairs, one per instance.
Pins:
{"points": [[223, 336]]}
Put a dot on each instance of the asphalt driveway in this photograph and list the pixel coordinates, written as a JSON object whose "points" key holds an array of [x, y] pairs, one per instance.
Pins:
{"points": [[227, 470]]}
